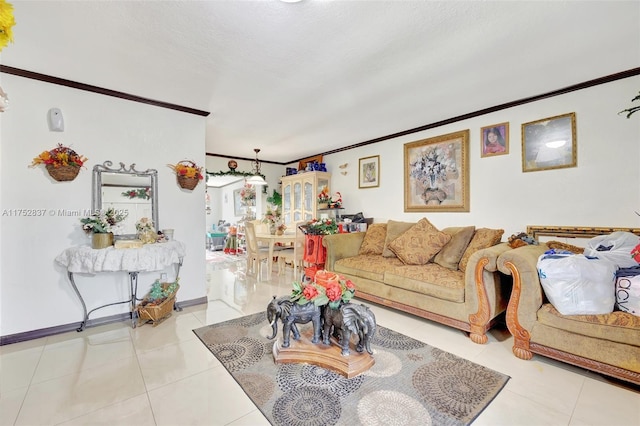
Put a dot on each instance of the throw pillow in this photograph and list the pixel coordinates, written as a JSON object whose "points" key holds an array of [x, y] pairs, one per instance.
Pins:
{"points": [[483, 238], [419, 244], [373, 242], [450, 255], [394, 230]]}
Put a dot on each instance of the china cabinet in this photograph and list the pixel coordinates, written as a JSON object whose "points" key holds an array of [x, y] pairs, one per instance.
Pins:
{"points": [[300, 195]]}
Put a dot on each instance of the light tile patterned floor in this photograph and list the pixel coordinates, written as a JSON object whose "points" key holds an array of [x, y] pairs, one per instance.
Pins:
{"points": [[115, 375]]}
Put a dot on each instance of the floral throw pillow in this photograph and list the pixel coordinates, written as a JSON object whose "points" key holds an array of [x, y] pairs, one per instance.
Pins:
{"points": [[483, 238], [419, 244], [394, 230], [373, 242]]}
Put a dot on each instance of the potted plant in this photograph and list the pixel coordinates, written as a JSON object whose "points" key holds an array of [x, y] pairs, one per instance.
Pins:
{"points": [[321, 227], [188, 174], [101, 225], [62, 163], [157, 305], [324, 198]]}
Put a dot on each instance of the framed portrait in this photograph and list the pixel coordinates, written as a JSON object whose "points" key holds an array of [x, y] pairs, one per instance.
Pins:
{"points": [[549, 143], [302, 164], [436, 174], [494, 140], [369, 172], [237, 202]]}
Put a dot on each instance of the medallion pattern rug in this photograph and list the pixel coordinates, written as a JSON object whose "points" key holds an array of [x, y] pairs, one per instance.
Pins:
{"points": [[411, 383]]}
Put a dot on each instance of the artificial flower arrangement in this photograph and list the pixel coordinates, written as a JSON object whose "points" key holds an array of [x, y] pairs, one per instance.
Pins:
{"points": [[146, 231], [272, 217], [323, 196], [325, 226], [635, 253], [143, 193], [336, 291], [248, 194], [187, 169], [104, 221], [58, 157], [7, 21]]}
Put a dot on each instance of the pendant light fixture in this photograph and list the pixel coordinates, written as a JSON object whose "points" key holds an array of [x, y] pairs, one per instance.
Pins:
{"points": [[257, 178]]}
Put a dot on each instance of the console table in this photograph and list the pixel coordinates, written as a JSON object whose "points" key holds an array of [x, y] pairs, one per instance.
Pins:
{"points": [[148, 258]]}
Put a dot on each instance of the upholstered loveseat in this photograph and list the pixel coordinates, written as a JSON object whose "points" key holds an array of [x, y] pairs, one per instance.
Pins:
{"points": [[608, 344], [447, 276]]}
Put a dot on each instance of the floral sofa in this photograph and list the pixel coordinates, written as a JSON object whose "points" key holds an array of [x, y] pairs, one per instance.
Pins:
{"points": [[608, 344], [448, 276]]}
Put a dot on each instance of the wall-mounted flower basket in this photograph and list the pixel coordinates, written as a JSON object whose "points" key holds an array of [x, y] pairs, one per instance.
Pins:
{"points": [[63, 173], [62, 163], [188, 174]]}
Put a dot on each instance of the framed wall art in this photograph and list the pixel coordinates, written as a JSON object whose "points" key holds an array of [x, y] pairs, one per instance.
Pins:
{"points": [[369, 172], [436, 174], [549, 143], [494, 140], [237, 202]]}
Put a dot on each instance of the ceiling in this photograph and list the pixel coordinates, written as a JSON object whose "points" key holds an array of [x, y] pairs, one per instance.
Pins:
{"points": [[299, 79]]}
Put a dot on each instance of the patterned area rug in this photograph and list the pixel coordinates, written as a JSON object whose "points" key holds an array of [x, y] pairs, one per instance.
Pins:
{"points": [[411, 383]]}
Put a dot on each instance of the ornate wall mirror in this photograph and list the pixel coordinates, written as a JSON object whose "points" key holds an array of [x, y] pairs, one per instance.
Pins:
{"points": [[126, 188]]}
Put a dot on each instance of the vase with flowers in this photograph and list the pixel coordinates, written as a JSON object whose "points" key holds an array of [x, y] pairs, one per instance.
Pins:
{"points": [[324, 198], [188, 174], [62, 163], [101, 225], [272, 218], [332, 292]]}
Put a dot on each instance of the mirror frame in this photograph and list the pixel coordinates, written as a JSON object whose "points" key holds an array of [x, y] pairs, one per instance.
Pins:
{"points": [[96, 196]]}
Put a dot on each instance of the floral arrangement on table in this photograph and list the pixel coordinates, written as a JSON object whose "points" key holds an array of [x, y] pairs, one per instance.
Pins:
{"points": [[248, 195], [146, 231], [336, 291], [60, 156], [187, 169], [7, 21], [144, 193], [323, 196], [272, 218], [635, 253], [104, 221], [325, 226]]}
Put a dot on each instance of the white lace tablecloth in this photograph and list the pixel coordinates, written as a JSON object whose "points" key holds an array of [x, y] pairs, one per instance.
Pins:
{"points": [[150, 257]]}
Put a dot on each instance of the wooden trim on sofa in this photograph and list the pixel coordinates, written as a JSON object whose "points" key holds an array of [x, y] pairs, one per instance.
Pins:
{"points": [[478, 320], [574, 231]]}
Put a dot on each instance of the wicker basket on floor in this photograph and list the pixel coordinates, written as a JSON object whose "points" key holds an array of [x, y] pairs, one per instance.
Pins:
{"points": [[156, 313]]}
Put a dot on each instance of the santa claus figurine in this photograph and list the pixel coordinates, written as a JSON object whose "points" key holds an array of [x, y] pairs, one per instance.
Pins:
{"points": [[335, 201]]}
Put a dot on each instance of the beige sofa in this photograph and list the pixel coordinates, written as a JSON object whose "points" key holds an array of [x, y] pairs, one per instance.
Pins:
{"points": [[459, 286], [608, 344]]}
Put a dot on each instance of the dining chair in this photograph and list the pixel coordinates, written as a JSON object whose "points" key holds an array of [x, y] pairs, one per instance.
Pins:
{"points": [[255, 254], [293, 254]]}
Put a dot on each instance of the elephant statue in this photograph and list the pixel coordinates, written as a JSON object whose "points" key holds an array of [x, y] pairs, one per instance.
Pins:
{"points": [[292, 313], [349, 318]]}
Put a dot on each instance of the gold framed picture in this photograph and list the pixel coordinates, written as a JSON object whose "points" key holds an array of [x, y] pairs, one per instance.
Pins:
{"points": [[549, 143], [494, 140], [369, 172], [436, 174]]}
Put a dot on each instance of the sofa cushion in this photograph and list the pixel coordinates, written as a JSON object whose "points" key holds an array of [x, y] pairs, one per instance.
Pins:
{"points": [[617, 326], [373, 242], [430, 279], [482, 238], [418, 244], [370, 266], [452, 252], [394, 230]]}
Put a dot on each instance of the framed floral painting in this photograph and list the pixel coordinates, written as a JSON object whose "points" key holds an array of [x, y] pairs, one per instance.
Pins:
{"points": [[436, 174], [369, 172]]}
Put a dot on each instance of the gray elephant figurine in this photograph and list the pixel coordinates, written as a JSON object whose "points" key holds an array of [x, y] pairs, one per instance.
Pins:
{"points": [[292, 313], [349, 318]]}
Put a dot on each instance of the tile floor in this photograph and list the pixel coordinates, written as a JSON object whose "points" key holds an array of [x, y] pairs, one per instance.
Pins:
{"points": [[115, 375]]}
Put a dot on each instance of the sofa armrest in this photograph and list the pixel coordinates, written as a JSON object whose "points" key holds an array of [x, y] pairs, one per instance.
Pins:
{"points": [[484, 292], [340, 246]]}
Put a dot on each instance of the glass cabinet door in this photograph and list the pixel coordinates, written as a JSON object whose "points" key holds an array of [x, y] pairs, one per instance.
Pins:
{"points": [[297, 196], [286, 204], [309, 196]]}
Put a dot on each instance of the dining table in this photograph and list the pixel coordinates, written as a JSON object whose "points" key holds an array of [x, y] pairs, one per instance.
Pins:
{"points": [[286, 239]]}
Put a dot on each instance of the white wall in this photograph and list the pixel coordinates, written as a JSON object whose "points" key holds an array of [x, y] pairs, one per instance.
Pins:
{"points": [[603, 190], [34, 292]]}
